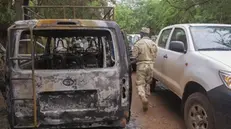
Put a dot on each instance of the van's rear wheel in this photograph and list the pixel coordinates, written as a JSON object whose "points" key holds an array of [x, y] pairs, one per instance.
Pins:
{"points": [[198, 113]]}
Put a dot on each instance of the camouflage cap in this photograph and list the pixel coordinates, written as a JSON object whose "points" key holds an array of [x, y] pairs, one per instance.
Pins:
{"points": [[145, 30]]}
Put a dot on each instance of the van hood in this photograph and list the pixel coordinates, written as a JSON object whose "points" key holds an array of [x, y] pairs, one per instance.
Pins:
{"points": [[220, 56]]}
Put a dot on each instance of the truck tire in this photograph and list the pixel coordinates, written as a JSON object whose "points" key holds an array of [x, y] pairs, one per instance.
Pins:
{"points": [[198, 112]]}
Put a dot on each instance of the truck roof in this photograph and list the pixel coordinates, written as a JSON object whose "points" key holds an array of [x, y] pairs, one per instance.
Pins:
{"points": [[198, 24], [66, 23]]}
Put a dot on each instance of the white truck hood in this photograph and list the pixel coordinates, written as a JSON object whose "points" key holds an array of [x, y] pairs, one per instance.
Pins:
{"points": [[221, 56]]}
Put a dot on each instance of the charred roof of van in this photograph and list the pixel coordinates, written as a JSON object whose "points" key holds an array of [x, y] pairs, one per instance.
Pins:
{"points": [[65, 23]]}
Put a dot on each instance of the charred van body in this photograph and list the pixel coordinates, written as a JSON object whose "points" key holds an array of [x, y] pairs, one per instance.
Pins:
{"points": [[67, 73]]}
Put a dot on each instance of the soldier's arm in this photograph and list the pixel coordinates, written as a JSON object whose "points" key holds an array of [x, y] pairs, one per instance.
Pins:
{"points": [[155, 49]]}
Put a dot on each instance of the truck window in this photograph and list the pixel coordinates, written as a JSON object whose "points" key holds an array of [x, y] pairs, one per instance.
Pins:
{"points": [[67, 49], [164, 38], [179, 35]]}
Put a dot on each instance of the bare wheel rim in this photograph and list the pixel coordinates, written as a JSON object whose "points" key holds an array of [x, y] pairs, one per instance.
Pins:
{"points": [[198, 118]]}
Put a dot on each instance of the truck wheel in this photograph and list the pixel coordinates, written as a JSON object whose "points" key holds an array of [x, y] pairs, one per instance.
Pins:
{"points": [[198, 113]]}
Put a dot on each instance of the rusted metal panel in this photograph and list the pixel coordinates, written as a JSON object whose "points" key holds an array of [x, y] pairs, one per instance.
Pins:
{"points": [[105, 84], [52, 23]]}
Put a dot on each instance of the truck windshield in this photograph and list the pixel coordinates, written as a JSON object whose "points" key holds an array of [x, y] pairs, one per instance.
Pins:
{"points": [[211, 38]]}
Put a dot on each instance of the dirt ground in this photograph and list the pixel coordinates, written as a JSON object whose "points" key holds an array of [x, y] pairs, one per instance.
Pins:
{"points": [[163, 113]]}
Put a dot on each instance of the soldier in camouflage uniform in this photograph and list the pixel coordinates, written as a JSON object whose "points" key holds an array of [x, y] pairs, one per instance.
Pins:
{"points": [[145, 53]]}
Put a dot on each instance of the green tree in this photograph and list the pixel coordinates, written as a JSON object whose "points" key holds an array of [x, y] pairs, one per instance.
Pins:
{"points": [[85, 13], [157, 14], [7, 13], [124, 17]]}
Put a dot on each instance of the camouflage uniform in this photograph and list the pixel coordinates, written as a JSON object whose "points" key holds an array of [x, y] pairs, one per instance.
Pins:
{"points": [[145, 52]]}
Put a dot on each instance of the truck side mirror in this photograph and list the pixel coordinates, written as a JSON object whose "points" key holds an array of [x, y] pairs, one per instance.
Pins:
{"points": [[177, 46]]}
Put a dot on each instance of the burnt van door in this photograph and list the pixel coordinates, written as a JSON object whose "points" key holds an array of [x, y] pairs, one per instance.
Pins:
{"points": [[83, 89], [129, 87]]}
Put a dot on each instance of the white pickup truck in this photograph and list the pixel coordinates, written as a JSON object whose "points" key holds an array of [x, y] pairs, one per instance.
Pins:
{"points": [[194, 62]]}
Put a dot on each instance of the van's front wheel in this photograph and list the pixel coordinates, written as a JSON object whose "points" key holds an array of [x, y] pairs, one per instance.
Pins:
{"points": [[198, 113]]}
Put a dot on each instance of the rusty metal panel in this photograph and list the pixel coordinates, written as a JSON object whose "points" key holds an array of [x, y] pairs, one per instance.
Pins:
{"points": [[101, 91], [68, 100], [53, 24]]}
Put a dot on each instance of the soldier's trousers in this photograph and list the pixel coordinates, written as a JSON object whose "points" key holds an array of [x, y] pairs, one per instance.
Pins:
{"points": [[144, 76]]}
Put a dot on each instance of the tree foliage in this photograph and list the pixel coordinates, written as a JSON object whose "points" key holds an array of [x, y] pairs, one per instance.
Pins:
{"points": [[157, 14], [7, 13], [131, 15], [85, 13], [7, 8]]}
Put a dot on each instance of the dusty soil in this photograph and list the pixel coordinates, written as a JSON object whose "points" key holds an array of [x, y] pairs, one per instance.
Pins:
{"points": [[163, 113], [164, 110]]}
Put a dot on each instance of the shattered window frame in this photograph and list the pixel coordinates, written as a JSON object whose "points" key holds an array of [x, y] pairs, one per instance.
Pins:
{"points": [[114, 44]]}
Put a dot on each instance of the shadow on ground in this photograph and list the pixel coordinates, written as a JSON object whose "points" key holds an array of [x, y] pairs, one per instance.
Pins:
{"points": [[172, 101]]}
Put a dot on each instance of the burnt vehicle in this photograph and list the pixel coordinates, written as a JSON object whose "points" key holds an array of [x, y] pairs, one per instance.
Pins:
{"points": [[2, 64], [67, 74]]}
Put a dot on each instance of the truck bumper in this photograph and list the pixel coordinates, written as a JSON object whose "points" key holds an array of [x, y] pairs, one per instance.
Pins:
{"points": [[220, 98]]}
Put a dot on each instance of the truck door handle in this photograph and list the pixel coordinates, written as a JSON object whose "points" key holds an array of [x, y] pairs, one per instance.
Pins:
{"points": [[166, 56]]}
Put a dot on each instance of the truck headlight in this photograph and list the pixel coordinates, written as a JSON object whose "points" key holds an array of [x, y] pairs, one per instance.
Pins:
{"points": [[226, 78]]}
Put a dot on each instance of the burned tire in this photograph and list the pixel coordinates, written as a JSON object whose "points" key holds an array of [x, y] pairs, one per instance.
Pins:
{"points": [[198, 112]]}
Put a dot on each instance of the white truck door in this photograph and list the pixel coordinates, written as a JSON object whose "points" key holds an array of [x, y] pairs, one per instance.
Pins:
{"points": [[162, 44], [175, 62]]}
